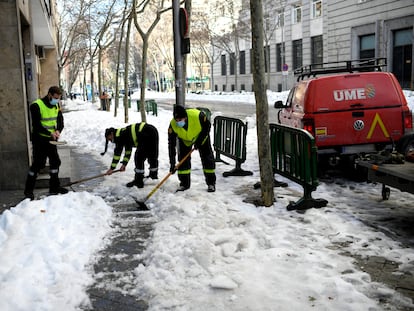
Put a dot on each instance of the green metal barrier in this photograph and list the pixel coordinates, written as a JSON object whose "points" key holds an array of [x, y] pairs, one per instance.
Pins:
{"points": [[294, 156], [230, 140], [150, 106]]}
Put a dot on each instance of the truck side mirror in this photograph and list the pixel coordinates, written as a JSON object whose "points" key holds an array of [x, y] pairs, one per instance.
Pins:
{"points": [[278, 104]]}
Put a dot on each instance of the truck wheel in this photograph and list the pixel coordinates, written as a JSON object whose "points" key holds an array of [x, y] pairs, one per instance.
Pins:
{"points": [[405, 144]]}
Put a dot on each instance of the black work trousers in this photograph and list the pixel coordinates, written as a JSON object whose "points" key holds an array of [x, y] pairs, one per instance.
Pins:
{"points": [[207, 161], [43, 150], [147, 149]]}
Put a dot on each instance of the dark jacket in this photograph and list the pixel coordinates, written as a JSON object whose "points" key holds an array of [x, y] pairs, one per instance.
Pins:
{"points": [[123, 139]]}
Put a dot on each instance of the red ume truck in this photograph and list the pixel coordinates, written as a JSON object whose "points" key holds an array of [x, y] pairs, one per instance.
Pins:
{"points": [[352, 108]]}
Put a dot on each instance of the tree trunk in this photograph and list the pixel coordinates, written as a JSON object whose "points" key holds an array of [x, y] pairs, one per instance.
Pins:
{"points": [[262, 107], [100, 72], [126, 66], [143, 78]]}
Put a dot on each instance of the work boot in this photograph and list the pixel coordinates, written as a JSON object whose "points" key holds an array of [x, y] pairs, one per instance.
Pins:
{"points": [[58, 190], [29, 187], [185, 182], [138, 181], [29, 195], [54, 185], [211, 188], [153, 174], [182, 188]]}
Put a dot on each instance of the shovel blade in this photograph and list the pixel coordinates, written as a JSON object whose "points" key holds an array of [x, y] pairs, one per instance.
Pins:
{"points": [[142, 206]]}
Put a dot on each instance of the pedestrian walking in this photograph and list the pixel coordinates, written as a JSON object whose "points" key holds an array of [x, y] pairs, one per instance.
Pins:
{"points": [[47, 125], [191, 127], [142, 136], [105, 101]]}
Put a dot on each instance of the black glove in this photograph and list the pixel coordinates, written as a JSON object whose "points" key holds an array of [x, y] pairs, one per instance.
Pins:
{"points": [[197, 144], [172, 168]]}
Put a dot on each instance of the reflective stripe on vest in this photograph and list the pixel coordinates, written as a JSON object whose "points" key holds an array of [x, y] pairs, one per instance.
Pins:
{"points": [[189, 135], [48, 116], [134, 133], [118, 132]]}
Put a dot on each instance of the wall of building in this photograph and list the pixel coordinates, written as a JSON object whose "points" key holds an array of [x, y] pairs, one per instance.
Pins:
{"points": [[341, 25], [23, 78], [13, 110], [49, 72]]}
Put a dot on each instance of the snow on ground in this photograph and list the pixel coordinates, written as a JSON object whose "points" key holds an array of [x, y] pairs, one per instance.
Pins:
{"points": [[208, 251]]}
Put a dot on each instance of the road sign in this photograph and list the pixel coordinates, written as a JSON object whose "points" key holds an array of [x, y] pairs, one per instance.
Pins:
{"points": [[183, 23], [285, 67]]}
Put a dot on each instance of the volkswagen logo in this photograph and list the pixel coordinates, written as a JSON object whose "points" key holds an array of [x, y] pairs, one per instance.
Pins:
{"points": [[359, 125]]}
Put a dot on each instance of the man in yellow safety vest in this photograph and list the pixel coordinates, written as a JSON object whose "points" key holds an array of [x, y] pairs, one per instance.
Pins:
{"points": [[47, 124], [192, 128]]}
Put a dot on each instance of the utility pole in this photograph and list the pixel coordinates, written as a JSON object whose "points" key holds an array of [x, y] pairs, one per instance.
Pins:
{"points": [[90, 54], [181, 47], [284, 70], [178, 57]]}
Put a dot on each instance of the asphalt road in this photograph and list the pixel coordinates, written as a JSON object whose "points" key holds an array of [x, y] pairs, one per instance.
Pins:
{"points": [[227, 109]]}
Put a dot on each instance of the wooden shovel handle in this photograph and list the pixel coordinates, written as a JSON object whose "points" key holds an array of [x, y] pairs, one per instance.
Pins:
{"points": [[168, 175]]}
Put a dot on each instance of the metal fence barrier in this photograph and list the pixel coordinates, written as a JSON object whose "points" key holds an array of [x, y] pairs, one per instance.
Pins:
{"points": [[294, 156], [150, 106], [230, 141]]}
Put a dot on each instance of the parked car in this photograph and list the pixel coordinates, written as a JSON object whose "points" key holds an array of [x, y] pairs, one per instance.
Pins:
{"points": [[122, 92], [351, 108]]}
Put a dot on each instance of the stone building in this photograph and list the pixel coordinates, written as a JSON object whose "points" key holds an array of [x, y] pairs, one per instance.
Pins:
{"points": [[28, 67], [304, 32]]}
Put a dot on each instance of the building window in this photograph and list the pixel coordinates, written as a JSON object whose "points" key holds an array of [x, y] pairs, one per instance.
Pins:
{"points": [[242, 63], [267, 58], [317, 50], [223, 65], [232, 63], [367, 46], [297, 54], [279, 57], [402, 58], [251, 61], [297, 14], [316, 8], [280, 19]]}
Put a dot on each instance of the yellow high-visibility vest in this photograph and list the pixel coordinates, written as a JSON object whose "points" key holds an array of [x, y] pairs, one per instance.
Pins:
{"points": [[190, 134], [48, 116]]}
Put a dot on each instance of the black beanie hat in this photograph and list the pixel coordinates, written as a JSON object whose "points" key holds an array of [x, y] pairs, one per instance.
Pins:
{"points": [[108, 131], [179, 112]]}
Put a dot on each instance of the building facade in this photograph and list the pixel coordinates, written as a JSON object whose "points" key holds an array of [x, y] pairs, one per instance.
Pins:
{"points": [[28, 67], [300, 33]]}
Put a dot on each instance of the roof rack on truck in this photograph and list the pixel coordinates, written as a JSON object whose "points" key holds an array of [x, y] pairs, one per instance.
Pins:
{"points": [[366, 64]]}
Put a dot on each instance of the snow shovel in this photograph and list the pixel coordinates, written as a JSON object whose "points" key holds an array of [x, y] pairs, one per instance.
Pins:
{"points": [[141, 204], [88, 178]]}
